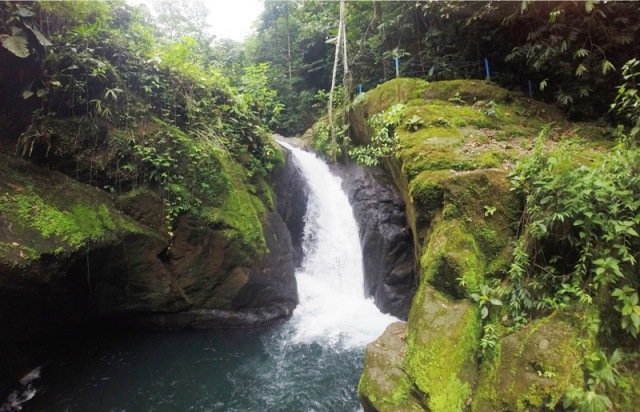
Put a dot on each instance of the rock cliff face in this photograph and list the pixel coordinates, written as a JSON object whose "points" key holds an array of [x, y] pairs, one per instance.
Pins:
{"points": [[387, 243], [452, 173], [68, 253], [292, 193]]}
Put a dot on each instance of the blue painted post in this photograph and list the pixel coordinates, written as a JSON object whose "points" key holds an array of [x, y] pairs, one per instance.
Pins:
{"points": [[397, 67], [486, 68], [530, 89], [360, 88]]}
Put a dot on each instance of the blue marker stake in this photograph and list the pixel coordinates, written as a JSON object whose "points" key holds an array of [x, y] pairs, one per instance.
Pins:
{"points": [[397, 67], [530, 89], [360, 89], [486, 68]]}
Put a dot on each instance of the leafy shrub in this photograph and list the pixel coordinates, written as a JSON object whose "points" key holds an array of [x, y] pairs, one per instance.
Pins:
{"points": [[384, 141], [580, 232]]}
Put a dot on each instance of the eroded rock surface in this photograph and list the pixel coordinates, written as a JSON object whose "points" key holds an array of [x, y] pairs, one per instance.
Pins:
{"points": [[387, 243]]}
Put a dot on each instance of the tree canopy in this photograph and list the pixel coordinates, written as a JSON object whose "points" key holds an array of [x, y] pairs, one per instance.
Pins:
{"points": [[571, 52]]}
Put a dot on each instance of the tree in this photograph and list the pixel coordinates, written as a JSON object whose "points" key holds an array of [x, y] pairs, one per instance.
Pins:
{"points": [[339, 40], [181, 18]]}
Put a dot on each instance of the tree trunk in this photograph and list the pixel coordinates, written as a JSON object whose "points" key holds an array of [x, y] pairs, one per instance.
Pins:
{"points": [[288, 44], [347, 78], [332, 129]]}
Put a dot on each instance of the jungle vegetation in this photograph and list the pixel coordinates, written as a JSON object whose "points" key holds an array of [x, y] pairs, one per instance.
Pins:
{"points": [[113, 65]]}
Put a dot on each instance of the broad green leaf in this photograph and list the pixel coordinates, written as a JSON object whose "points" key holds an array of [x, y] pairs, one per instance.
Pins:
{"points": [[16, 43], [41, 38], [26, 94]]}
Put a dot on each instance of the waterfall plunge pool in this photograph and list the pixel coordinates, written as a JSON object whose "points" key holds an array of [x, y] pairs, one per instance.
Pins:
{"points": [[310, 363]]}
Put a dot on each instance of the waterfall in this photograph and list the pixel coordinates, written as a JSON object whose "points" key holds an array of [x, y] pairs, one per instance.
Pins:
{"points": [[311, 363], [333, 309]]}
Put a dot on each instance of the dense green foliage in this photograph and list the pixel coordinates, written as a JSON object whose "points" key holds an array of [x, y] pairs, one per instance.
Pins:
{"points": [[580, 232], [99, 84], [384, 140], [571, 52]]}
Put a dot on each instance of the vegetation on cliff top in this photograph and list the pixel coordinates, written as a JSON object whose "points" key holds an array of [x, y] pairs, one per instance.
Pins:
{"points": [[469, 156], [94, 90], [561, 51]]}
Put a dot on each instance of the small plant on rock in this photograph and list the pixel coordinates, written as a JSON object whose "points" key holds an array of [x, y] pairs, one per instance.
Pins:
{"points": [[414, 124], [486, 299]]}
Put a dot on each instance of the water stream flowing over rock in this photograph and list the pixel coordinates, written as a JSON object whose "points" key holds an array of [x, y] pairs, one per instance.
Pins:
{"points": [[310, 363]]}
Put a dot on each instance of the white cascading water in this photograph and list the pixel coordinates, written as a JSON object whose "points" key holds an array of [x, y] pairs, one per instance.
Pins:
{"points": [[333, 309]]}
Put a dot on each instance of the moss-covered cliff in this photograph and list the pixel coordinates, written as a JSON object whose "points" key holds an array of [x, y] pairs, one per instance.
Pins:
{"points": [[456, 145]]}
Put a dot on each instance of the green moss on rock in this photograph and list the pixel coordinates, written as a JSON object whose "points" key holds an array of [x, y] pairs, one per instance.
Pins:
{"points": [[239, 213], [442, 346], [533, 368], [466, 91], [452, 262], [39, 215], [384, 386]]}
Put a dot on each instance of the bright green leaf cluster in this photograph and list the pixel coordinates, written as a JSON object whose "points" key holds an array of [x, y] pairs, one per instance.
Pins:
{"points": [[384, 140]]}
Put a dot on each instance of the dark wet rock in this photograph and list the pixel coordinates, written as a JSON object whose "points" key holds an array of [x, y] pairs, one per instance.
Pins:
{"points": [[387, 243], [292, 192]]}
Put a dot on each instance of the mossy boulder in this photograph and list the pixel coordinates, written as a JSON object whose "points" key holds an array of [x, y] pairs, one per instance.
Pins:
{"points": [[531, 369], [442, 345], [384, 385], [466, 221], [457, 143]]}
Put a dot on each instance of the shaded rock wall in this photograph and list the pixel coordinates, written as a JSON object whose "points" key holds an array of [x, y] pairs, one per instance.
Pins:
{"points": [[70, 253], [57, 268], [386, 240], [292, 193]]}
